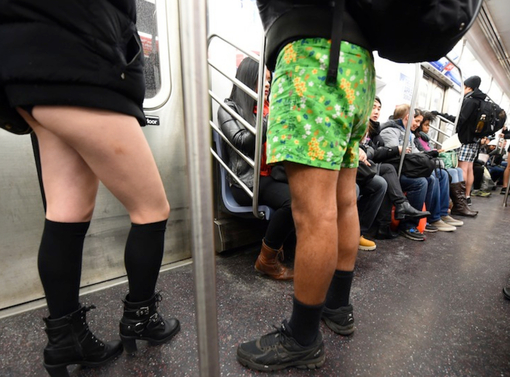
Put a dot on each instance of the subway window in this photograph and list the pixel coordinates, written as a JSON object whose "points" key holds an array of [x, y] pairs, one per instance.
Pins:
{"points": [[148, 30]]}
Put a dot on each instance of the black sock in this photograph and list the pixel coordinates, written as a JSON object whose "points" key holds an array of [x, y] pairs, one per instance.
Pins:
{"points": [[59, 262], [143, 257], [304, 322], [339, 289]]}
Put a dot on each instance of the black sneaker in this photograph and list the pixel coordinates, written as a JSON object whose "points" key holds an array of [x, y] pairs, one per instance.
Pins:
{"points": [[503, 191], [339, 320], [468, 200], [279, 350], [413, 234]]}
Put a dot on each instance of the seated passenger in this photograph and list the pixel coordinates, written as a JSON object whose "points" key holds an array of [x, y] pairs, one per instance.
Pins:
{"points": [[437, 195], [372, 189], [272, 193]]}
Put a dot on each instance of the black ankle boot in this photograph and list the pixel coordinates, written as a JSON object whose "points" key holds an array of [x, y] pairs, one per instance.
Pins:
{"points": [[405, 210], [141, 321], [71, 342]]}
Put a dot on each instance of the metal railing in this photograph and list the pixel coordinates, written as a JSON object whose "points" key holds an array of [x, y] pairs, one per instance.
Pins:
{"points": [[257, 130]]}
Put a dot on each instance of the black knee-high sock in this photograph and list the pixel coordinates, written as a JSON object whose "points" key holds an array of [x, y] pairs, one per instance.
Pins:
{"points": [[143, 257], [304, 322], [59, 263], [339, 289]]}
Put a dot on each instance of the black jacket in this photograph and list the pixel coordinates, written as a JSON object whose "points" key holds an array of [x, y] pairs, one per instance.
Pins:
{"points": [[242, 139], [374, 134], [468, 117], [285, 21], [89, 49]]}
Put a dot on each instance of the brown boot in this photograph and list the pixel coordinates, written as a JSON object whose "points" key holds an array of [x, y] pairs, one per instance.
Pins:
{"points": [[268, 263], [460, 206]]}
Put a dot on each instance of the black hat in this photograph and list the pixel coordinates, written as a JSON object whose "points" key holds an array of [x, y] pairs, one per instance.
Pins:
{"points": [[473, 82]]}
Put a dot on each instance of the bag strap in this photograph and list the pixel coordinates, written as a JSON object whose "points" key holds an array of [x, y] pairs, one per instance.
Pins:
{"points": [[336, 40]]}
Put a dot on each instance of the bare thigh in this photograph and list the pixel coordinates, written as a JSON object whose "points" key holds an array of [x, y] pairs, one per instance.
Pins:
{"points": [[106, 146]]}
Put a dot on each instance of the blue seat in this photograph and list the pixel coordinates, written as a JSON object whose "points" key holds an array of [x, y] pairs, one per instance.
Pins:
{"points": [[226, 193]]}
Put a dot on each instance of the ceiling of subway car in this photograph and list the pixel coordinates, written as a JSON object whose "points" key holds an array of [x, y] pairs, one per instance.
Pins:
{"points": [[490, 37]]}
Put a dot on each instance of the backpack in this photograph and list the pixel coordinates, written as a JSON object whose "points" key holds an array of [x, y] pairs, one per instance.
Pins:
{"points": [[411, 31], [415, 165], [490, 118]]}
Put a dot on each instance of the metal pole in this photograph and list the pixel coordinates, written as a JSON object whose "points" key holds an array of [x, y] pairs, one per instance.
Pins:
{"points": [[258, 126], [196, 119], [417, 77]]}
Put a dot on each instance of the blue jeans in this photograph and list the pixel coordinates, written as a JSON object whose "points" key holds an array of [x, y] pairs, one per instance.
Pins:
{"points": [[456, 174], [438, 195], [372, 195], [416, 192]]}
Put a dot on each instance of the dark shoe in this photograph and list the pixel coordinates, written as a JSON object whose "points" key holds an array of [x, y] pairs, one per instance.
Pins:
{"points": [[413, 234], [503, 191], [468, 201], [406, 210], [385, 233], [268, 263], [141, 321], [506, 292], [339, 320], [71, 342], [429, 228], [279, 350]]}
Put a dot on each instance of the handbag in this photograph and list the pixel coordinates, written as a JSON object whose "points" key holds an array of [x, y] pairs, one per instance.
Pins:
{"points": [[450, 159], [10, 120]]}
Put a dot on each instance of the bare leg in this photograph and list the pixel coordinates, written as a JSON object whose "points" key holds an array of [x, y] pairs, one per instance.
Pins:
{"points": [[314, 210], [467, 171], [105, 145], [348, 230], [506, 174]]}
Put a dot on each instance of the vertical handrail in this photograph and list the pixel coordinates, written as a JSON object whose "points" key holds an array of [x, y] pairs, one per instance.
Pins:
{"points": [[414, 99], [258, 126], [461, 98], [196, 118]]}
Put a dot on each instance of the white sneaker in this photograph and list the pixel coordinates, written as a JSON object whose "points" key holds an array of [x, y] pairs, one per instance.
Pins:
{"points": [[442, 226], [451, 221]]}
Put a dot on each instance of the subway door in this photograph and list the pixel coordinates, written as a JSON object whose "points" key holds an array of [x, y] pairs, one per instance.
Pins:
{"points": [[431, 97], [21, 208]]}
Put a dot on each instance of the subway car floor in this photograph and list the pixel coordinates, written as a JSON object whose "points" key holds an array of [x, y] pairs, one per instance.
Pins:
{"points": [[432, 308]]}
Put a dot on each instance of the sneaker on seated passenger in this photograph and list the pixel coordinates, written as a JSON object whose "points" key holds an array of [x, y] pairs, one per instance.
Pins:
{"points": [[503, 191], [468, 200], [413, 234], [450, 220], [366, 245], [279, 350], [430, 228], [442, 226], [480, 193], [339, 320]]}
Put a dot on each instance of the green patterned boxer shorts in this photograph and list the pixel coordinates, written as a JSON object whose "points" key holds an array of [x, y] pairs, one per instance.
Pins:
{"points": [[310, 122]]}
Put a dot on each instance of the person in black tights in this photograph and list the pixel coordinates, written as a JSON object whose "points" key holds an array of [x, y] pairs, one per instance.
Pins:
{"points": [[272, 192], [87, 119]]}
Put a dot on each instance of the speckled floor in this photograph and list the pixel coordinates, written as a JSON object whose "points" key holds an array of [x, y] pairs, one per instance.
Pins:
{"points": [[421, 309]]}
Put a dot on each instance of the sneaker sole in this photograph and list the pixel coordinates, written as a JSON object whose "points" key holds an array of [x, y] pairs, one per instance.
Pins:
{"points": [[341, 330], [300, 364], [431, 231], [367, 248], [412, 238]]}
